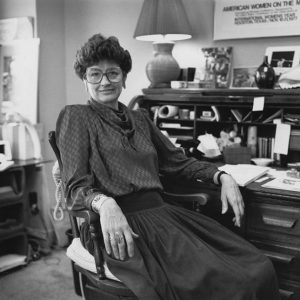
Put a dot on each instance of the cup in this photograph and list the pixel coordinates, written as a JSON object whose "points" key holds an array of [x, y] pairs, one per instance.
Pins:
{"points": [[184, 114], [188, 74]]}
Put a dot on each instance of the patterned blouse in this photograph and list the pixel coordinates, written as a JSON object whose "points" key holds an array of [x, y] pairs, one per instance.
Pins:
{"points": [[117, 152]]}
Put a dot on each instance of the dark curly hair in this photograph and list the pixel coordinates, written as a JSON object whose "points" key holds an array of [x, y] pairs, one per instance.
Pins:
{"points": [[99, 48]]}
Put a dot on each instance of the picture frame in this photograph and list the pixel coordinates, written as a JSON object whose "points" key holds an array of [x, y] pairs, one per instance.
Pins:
{"points": [[214, 69], [243, 78], [283, 58]]}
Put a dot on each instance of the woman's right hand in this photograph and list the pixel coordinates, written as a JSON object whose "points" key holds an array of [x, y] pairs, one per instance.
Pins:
{"points": [[117, 234]]}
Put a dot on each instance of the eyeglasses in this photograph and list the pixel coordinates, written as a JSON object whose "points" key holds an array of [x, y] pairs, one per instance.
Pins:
{"points": [[95, 76]]}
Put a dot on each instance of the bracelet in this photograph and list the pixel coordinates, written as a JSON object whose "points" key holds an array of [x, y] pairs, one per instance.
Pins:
{"points": [[219, 177], [98, 201]]}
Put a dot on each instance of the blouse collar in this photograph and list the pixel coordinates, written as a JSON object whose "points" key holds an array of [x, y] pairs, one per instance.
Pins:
{"points": [[119, 118]]}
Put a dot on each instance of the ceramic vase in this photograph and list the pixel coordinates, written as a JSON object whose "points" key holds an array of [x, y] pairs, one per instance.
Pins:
{"points": [[162, 68], [265, 75]]}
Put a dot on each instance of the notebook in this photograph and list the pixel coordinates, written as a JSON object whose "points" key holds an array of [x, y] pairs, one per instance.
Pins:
{"points": [[244, 173]]}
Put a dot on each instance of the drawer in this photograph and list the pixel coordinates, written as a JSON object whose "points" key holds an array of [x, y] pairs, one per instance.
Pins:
{"points": [[274, 222], [289, 290], [285, 258]]}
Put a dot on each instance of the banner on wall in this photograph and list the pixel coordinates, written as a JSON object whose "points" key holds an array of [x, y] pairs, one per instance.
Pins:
{"points": [[239, 19]]}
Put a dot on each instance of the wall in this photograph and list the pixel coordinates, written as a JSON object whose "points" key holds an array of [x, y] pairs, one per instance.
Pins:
{"points": [[118, 17], [87, 17], [17, 8]]}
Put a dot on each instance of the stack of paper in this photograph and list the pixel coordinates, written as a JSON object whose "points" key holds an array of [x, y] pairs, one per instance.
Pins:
{"points": [[208, 145], [244, 173], [288, 184], [9, 261]]}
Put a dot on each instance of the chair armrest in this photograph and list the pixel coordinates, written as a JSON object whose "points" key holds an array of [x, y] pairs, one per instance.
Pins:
{"points": [[200, 198], [89, 216], [93, 221]]}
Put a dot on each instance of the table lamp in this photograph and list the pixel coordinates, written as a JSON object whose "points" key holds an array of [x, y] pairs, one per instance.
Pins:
{"points": [[162, 22]]}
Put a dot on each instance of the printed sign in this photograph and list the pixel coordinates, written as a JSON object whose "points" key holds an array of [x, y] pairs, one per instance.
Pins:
{"points": [[235, 19]]}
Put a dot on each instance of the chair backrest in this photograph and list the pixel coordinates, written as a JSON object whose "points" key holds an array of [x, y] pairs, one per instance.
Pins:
{"points": [[52, 141], [90, 217]]}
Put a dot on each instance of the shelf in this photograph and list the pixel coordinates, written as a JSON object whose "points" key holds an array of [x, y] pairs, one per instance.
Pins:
{"points": [[14, 232], [224, 92]]}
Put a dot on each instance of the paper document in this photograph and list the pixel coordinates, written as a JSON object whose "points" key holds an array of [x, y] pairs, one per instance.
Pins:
{"points": [[208, 145], [282, 138], [289, 184], [244, 173], [258, 103], [9, 261]]}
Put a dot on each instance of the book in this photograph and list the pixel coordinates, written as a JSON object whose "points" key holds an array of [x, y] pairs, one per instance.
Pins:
{"points": [[237, 114], [247, 116], [273, 116], [244, 173]]}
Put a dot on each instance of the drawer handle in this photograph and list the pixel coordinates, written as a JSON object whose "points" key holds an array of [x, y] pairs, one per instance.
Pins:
{"points": [[284, 258], [285, 223], [286, 294]]}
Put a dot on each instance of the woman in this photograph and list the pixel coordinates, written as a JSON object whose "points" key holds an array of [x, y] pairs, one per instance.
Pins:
{"points": [[112, 158]]}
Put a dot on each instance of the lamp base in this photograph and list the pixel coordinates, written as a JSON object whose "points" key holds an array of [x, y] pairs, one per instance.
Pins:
{"points": [[163, 68], [160, 85]]}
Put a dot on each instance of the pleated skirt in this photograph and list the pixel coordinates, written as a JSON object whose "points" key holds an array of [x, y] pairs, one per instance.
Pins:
{"points": [[183, 255]]}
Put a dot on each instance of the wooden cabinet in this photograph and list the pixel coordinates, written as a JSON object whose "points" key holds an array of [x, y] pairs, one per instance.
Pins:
{"points": [[13, 236], [272, 217], [18, 224], [273, 225]]}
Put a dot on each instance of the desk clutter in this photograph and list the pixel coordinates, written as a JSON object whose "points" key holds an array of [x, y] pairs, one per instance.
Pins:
{"points": [[263, 124]]}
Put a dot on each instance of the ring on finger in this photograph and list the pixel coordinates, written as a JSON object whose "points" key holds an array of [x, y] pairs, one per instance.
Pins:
{"points": [[119, 237], [112, 238]]}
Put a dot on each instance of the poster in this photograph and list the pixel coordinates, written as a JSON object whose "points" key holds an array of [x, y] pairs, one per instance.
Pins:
{"points": [[239, 19]]}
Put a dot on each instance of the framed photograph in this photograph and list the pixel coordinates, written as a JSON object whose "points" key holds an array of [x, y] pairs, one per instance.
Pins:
{"points": [[283, 58], [215, 67], [243, 77]]}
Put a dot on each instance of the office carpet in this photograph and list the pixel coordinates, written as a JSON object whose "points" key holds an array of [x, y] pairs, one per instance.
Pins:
{"points": [[49, 278]]}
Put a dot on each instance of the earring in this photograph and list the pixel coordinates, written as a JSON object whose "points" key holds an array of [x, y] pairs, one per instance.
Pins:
{"points": [[86, 87]]}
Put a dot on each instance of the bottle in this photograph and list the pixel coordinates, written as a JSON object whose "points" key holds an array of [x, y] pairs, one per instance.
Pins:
{"points": [[265, 75]]}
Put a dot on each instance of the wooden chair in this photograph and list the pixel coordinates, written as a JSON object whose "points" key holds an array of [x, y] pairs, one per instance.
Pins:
{"points": [[97, 285]]}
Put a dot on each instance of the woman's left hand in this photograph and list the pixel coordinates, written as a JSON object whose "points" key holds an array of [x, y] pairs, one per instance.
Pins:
{"points": [[230, 193]]}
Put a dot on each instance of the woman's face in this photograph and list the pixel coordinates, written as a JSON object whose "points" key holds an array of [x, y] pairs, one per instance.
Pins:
{"points": [[104, 82]]}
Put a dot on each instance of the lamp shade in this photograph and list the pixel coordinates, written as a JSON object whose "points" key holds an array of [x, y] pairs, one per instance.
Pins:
{"points": [[162, 19]]}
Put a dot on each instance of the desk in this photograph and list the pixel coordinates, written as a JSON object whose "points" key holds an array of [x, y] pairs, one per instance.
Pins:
{"points": [[273, 224]]}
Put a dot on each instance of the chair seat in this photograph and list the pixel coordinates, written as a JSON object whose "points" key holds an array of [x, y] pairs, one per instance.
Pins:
{"points": [[80, 256]]}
